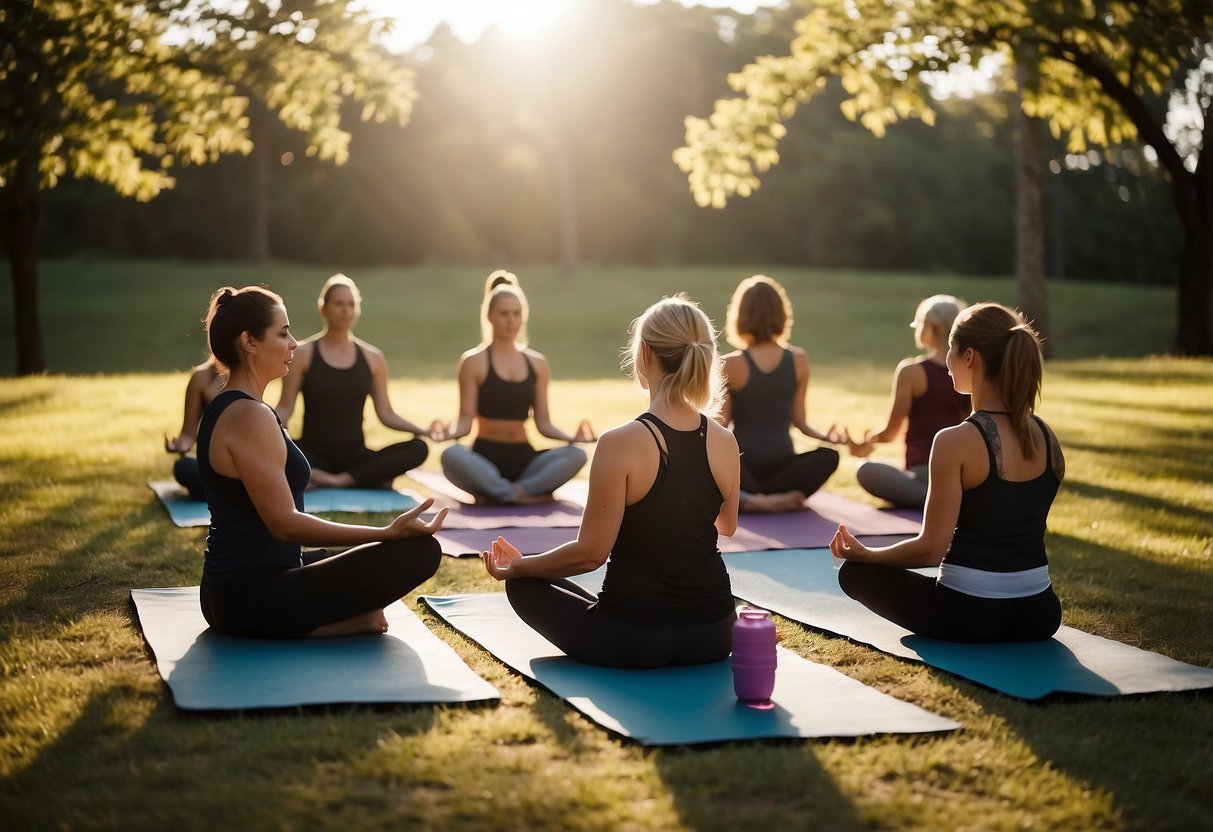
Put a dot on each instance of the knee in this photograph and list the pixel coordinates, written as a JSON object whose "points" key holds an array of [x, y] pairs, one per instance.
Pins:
{"points": [[576, 456], [829, 457], [520, 591], [850, 578], [452, 455], [426, 554]]}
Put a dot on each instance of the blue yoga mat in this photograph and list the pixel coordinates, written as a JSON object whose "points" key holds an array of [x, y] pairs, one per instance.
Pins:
{"points": [[186, 512], [686, 705], [207, 671], [803, 585]]}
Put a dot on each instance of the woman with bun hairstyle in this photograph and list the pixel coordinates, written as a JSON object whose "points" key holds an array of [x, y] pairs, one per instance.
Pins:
{"points": [[336, 372], [923, 402], [205, 383], [501, 384], [993, 479], [768, 381], [662, 487], [256, 581]]}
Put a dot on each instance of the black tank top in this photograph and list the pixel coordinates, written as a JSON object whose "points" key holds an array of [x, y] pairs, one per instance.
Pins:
{"points": [[938, 408], [665, 567], [333, 401], [501, 399], [1001, 525], [238, 539], [762, 411]]}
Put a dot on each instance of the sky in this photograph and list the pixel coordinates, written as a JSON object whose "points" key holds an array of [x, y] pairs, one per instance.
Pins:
{"points": [[416, 19]]}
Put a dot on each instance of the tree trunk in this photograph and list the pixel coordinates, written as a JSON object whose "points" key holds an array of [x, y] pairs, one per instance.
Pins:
{"points": [[1194, 329], [259, 182], [1030, 289], [22, 222]]}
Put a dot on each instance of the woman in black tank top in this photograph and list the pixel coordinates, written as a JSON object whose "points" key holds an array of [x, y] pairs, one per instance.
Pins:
{"points": [[662, 488], [336, 372], [993, 480], [501, 383], [767, 382], [256, 581]]}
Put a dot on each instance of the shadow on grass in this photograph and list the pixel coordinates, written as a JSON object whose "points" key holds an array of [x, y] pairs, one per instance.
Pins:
{"points": [[119, 766]]}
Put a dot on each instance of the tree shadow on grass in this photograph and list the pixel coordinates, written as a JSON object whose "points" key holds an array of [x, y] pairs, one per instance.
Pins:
{"points": [[123, 764]]}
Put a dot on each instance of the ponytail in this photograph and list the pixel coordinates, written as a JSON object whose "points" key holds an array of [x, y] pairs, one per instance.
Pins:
{"points": [[232, 312], [1014, 363], [683, 341]]}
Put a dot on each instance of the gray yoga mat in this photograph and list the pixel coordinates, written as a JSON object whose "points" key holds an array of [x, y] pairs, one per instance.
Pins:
{"points": [[207, 671], [802, 585], [187, 512], [686, 705]]}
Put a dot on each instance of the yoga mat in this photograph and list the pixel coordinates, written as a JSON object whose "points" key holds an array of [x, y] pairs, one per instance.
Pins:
{"points": [[572, 492], [186, 512], [685, 705], [808, 528], [803, 585], [207, 671]]}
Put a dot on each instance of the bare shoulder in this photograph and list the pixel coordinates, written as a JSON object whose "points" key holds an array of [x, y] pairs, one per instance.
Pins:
{"points": [[537, 358], [476, 356], [959, 440], [249, 417], [374, 355], [800, 359]]}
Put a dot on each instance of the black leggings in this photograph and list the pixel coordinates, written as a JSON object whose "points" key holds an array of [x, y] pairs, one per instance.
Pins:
{"points": [[919, 604], [185, 472], [276, 602], [368, 468], [805, 473], [568, 616]]}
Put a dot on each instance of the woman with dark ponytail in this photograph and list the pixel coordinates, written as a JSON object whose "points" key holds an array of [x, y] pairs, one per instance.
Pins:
{"points": [[992, 481], [256, 580], [662, 487]]}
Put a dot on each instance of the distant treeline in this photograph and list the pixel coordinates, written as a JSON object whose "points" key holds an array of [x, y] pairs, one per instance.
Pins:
{"points": [[507, 132]]}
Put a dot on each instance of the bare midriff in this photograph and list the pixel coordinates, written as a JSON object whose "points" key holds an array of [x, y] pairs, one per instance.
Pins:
{"points": [[501, 430]]}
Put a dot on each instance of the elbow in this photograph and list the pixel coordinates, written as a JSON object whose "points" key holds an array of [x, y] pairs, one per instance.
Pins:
{"points": [[727, 528], [286, 528]]}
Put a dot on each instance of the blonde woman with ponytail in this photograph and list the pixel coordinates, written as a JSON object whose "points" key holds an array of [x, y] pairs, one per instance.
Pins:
{"points": [[992, 481], [662, 487]]}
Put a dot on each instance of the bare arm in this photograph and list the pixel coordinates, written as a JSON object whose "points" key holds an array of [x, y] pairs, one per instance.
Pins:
{"points": [[543, 420], [292, 382], [469, 394], [800, 401], [899, 401], [379, 394], [735, 377], [194, 406], [948, 452], [610, 475], [249, 446]]}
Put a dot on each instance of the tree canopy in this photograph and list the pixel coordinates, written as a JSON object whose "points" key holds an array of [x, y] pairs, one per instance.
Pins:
{"points": [[124, 93], [1106, 71]]}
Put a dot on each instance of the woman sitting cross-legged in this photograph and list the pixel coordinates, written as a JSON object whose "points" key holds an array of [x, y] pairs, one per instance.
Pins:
{"points": [[255, 581], [662, 487], [993, 480], [336, 372], [501, 383]]}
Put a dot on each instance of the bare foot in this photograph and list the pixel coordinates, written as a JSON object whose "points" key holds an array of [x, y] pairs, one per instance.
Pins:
{"points": [[323, 479], [374, 622], [774, 503], [523, 498]]}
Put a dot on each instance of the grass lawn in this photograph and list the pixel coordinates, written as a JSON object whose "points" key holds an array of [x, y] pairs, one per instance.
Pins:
{"points": [[89, 737]]}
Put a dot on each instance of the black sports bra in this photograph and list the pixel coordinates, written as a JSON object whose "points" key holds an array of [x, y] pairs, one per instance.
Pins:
{"points": [[501, 399]]}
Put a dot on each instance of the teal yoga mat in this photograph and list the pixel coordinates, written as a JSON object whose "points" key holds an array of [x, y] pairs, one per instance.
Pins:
{"points": [[186, 512], [803, 585], [207, 671], [686, 705]]}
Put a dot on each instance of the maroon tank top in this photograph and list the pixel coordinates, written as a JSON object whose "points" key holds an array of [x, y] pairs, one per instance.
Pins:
{"points": [[938, 408]]}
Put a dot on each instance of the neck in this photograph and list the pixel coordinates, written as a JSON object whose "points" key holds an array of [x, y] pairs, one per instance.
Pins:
{"points": [[985, 397], [244, 380], [333, 335], [503, 343]]}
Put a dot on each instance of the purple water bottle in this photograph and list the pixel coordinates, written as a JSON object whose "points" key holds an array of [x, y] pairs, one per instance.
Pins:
{"points": [[754, 656]]}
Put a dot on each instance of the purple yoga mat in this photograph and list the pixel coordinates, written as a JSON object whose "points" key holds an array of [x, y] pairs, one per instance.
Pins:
{"points": [[572, 493], [807, 529], [480, 518]]}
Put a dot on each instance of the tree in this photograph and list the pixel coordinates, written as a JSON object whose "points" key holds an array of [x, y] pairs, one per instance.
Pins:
{"points": [[121, 93], [299, 62], [1107, 69]]}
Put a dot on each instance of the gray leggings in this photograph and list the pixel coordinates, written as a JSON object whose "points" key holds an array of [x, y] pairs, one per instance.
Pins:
{"points": [[904, 489], [543, 474]]}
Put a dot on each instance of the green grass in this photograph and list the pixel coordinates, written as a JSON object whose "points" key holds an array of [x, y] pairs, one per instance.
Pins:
{"points": [[89, 737]]}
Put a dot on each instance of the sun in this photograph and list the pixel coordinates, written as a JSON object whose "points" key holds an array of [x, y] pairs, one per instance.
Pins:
{"points": [[468, 19]]}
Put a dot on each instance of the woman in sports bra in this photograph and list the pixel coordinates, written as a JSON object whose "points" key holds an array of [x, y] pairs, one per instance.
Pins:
{"points": [[993, 479], [924, 402], [256, 580], [767, 382], [206, 382], [501, 382], [335, 372], [662, 487]]}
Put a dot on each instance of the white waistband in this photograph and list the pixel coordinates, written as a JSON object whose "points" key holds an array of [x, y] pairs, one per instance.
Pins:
{"points": [[984, 584]]}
